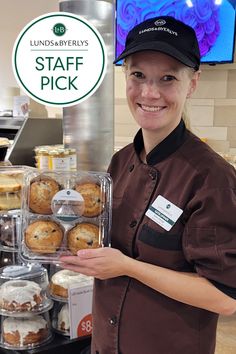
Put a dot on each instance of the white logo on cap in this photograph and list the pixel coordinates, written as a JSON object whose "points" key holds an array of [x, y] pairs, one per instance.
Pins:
{"points": [[160, 22]]}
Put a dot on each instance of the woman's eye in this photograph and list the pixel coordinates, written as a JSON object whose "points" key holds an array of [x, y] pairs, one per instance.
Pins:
{"points": [[168, 78], [137, 74]]}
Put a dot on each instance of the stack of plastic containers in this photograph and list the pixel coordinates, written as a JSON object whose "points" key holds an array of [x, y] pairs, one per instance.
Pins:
{"points": [[11, 181], [62, 213], [24, 307], [59, 284]]}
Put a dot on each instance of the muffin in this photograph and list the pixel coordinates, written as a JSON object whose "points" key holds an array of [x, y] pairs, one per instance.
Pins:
{"points": [[42, 190], [44, 236], [93, 198], [81, 236]]}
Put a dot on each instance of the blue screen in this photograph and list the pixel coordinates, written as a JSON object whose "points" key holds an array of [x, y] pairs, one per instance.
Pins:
{"points": [[212, 20]]}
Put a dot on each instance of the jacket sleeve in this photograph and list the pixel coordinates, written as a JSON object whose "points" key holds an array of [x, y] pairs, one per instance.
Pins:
{"points": [[209, 239]]}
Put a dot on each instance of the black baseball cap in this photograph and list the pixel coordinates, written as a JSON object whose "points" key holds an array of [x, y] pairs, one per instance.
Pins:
{"points": [[167, 35]]}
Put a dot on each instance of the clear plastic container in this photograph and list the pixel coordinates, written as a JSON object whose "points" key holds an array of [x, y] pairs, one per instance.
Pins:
{"points": [[9, 258], [61, 280], [24, 290], [61, 318], [64, 212], [11, 182], [10, 223], [25, 333]]}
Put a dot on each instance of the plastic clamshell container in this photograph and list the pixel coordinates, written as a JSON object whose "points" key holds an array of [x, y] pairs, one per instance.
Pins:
{"points": [[63, 212], [61, 318], [25, 333], [24, 290], [10, 223], [11, 183], [61, 280]]}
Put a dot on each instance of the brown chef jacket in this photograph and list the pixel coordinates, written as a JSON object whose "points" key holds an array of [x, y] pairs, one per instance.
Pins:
{"points": [[130, 317]]}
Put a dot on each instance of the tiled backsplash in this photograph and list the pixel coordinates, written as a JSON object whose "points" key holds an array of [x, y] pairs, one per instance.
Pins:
{"points": [[211, 110]]}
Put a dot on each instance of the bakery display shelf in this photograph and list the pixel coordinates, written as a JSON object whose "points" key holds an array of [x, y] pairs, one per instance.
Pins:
{"points": [[46, 306], [59, 345]]}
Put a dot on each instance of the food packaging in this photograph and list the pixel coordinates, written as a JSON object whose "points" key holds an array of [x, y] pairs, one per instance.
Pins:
{"points": [[63, 212], [10, 223], [25, 333], [60, 281], [24, 290]]}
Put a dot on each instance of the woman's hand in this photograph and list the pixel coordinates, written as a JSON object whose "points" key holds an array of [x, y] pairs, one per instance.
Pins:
{"points": [[101, 263]]}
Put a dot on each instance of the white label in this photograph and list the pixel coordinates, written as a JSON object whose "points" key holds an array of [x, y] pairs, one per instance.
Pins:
{"points": [[67, 205], [164, 213], [60, 163], [80, 308], [73, 162], [43, 162]]}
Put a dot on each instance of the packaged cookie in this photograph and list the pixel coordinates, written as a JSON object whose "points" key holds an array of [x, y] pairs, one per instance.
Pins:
{"points": [[63, 212]]}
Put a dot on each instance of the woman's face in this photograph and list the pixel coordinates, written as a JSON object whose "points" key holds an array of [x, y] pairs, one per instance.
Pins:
{"points": [[157, 86]]}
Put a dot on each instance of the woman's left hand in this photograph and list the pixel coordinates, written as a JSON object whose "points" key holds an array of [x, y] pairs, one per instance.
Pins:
{"points": [[102, 263]]}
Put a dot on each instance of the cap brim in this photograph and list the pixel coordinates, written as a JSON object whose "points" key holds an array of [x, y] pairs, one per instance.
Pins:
{"points": [[157, 46]]}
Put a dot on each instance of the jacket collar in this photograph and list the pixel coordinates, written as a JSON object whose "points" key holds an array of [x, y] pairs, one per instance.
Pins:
{"points": [[166, 147]]}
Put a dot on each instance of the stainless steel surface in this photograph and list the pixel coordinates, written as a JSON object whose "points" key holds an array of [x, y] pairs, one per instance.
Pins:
{"points": [[11, 123], [89, 125]]}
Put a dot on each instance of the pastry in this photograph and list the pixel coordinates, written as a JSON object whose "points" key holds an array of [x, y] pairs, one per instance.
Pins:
{"points": [[63, 320], [61, 281], [81, 236], [8, 183], [93, 198], [20, 295], [20, 332], [44, 236], [42, 190], [10, 201]]}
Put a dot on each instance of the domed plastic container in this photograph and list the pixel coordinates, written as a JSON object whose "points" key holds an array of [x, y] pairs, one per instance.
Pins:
{"points": [[9, 230], [63, 212], [24, 290], [62, 279], [61, 318], [20, 333]]}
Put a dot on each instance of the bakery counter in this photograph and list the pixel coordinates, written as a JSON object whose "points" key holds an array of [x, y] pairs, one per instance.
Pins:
{"points": [[59, 345]]}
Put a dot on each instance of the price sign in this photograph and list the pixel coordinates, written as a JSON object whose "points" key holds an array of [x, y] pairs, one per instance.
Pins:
{"points": [[85, 326], [80, 308]]}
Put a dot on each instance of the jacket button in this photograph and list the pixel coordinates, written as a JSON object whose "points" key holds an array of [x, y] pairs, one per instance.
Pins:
{"points": [[153, 174], [133, 223], [131, 167], [113, 320]]}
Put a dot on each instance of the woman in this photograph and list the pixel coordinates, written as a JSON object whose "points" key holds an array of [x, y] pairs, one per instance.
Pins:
{"points": [[172, 266]]}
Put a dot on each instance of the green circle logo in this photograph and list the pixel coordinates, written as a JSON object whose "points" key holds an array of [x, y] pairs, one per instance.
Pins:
{"points": [[59, 59], [59, 29]]}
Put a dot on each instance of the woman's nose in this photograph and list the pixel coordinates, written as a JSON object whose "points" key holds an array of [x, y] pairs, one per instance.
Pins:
{"points": [[150, 89]]}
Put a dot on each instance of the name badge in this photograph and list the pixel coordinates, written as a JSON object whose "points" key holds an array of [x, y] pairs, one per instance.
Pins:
{"points": [[164, 213]]}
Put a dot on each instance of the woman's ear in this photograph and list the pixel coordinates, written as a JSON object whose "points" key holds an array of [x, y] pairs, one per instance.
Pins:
{"points": [[193, 83]]}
